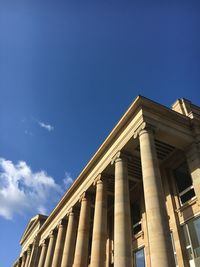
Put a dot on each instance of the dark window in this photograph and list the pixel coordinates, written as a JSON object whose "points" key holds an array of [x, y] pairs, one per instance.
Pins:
{"points": [[136, 218], [184, 183], [187, 195]]}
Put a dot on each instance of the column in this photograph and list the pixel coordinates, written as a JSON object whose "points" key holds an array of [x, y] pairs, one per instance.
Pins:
{"points": [[193, 159], [82, 242], [23, 260], [50, 250], [99, 236], [70, 240], [28, 256], [57, 257], [35, 253], [161, 253], [43, 254], [122, 218]]}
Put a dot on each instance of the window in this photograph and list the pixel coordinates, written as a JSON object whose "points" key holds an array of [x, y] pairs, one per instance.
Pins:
{"points": [[136, 218], [139, 259], [184, 183], [192, 241]]}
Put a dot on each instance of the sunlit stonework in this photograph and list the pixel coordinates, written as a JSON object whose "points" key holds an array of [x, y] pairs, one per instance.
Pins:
{"points": [[137, 201]]}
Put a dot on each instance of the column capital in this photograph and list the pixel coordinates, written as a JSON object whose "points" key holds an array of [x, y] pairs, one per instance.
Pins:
{"points": [[144, 127], [51, 234], [84, 196], [120, 155], [29, 249], [100, 178], [43, 243], [72, 211], [36, 240], [61, 223]]}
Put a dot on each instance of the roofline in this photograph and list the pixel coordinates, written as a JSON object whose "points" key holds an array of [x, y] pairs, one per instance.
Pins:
{"points": [[36, 218]]}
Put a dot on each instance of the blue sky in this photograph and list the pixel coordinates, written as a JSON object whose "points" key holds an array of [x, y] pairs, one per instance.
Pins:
{"points": [[68, 72]]}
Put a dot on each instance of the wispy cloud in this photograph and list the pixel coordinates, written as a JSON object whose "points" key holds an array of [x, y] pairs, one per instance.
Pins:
{"points": [[27, 132], [22, 190], [67, 181], [46, 126]]}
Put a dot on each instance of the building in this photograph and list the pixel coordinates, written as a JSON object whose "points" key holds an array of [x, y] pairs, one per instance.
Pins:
{"points": [[137, 201]]}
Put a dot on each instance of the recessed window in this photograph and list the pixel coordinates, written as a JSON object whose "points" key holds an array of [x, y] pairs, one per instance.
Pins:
{"points": [[184, 183], [139, 259], [136, 218]]}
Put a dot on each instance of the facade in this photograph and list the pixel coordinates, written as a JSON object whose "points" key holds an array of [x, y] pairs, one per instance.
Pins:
{"points": [[137, 201]]}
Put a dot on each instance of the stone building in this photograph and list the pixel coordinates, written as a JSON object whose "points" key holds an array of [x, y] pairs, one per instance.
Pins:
{"points": [[137, 201]]}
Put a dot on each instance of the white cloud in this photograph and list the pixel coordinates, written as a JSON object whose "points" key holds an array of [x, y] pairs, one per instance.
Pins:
{"points": [[22, 190], [46, 126], [68, 181], [42, 210]]}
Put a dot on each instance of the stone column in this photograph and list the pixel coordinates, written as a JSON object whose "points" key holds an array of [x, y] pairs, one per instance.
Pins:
{"points": [[161, 252], [59, 244], [34, 253], [193, 159], [50, 250], [122, 218], [23, 260], [99, 236], [28, 256], [70, 240], [82, 242], [43, 254]]}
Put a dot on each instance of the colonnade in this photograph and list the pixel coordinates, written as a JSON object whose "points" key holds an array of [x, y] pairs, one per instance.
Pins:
{"points": [[68, 245], [25, 259]]}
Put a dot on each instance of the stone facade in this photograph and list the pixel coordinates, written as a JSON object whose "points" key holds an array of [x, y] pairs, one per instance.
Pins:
{"points": [[137, 201]]}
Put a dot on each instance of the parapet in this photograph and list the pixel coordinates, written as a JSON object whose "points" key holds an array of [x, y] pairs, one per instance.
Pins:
{"points": [[187, 108]]}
